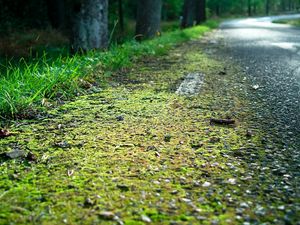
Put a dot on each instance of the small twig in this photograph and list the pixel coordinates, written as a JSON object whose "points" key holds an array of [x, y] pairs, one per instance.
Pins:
{"points": [[4, 193], [112, 32], [7, 133], [222, 121], [4, 133]]}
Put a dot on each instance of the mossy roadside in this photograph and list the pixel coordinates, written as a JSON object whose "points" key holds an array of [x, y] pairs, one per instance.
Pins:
{"points": [[137, 152], [28, 86], [293, 22]]}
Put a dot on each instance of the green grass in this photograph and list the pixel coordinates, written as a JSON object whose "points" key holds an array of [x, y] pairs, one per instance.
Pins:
{"points": [[295, 22], [26, 87]]}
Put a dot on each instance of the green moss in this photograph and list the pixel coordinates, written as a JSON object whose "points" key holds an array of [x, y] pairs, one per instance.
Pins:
{"points": [[294, 22], [133, 222], [108, 151]]}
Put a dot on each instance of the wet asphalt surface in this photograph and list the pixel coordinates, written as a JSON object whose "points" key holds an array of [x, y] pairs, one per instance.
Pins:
{"points": [[270, 55]]}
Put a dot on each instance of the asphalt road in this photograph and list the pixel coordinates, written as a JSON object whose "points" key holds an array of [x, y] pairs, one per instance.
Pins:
{"points": [[270, 55]]}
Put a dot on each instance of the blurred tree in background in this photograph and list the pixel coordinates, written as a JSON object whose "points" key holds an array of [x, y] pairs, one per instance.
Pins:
{"points": [[122, 16], [148, 19], [90, 26]]}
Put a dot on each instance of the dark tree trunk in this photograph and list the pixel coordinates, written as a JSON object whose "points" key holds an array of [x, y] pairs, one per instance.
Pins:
{"points": [[148, 19], [282, 5], [56, 13], [249, 8], [255, 9], [218, 9], [189, 11], [121, 15], [200, 11], [267, 7], [90, 29]]}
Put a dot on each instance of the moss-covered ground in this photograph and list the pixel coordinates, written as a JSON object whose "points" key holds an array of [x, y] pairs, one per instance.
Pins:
{"points": [[138, 153], [294, 22]]}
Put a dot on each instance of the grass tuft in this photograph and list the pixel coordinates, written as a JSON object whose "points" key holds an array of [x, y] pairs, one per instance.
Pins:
{"points": [[25, 86]]}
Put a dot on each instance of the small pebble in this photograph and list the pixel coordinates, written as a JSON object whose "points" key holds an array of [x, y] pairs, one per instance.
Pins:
{"points": [[146, 219], [206, 184], [107, 215], [231, 181]]}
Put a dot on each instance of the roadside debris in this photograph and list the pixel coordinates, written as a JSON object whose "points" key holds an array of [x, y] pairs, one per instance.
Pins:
{"points": [[4, 133], [191, 85], [222, 121], [14, 154]]}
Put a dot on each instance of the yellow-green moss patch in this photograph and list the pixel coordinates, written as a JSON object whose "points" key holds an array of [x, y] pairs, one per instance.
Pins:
{"points": [[137, 152]]}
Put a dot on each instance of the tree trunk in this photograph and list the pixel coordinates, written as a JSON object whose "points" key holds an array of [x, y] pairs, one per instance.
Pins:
{"points": [[249, 8], [267, 7], [218, 9], [255, 9], [282, 5], [189, 11], [121, 15], [200, 11], [90, 29], [148, 19]]}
